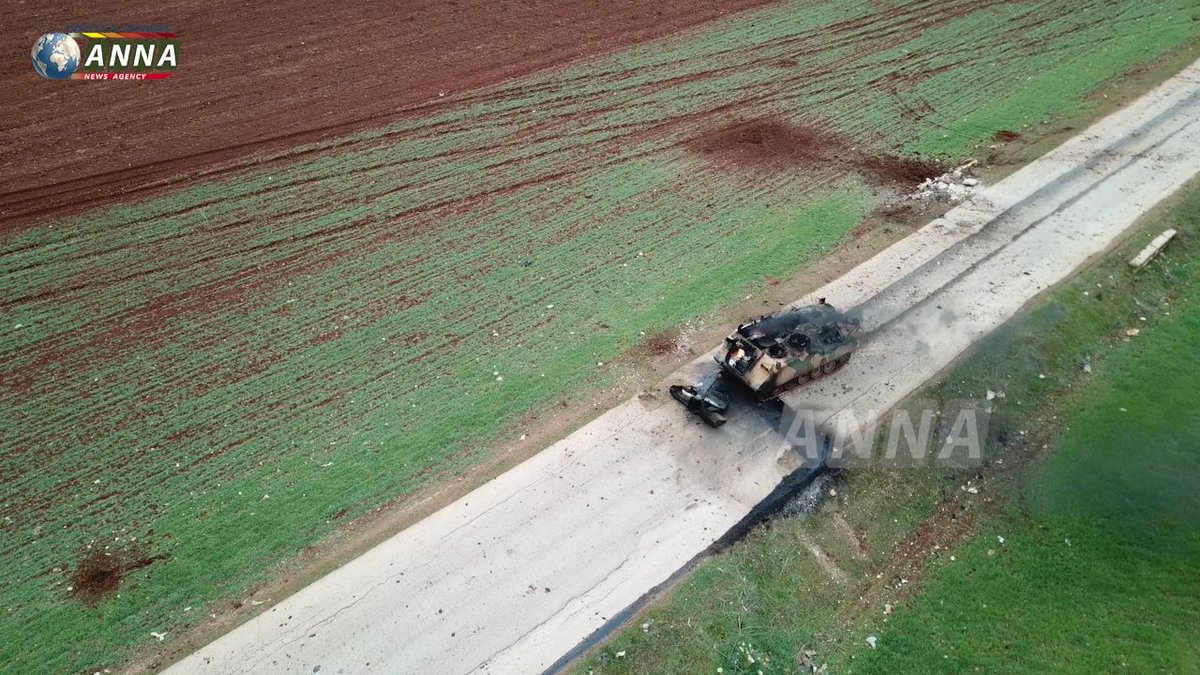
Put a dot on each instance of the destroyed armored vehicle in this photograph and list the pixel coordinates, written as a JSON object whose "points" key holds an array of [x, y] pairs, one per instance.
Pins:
{"points": [[773, 354]]}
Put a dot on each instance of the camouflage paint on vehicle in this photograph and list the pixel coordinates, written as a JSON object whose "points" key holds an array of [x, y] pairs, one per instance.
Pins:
{"points": [[781, 351], [772, 354]]}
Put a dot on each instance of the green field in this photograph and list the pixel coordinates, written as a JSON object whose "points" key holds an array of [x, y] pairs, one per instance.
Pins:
{"points": [[1100, 566], [1081, 555], [206, 382]]}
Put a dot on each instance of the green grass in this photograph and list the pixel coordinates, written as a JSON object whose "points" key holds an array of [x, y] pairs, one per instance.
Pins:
{"points": [[1062, 595], [225, 371], [1100, 558], [1100, 566]]}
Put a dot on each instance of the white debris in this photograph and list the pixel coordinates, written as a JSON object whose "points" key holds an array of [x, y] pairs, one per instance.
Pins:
{"points": [[1152, 249], [990, 394], [953, 186], [871, 641], [160, 636], [621, 654]]}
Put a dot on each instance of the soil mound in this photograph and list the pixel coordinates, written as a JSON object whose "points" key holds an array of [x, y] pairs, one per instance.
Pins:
{"points": [[768, 141], [899, 170], [774, 144]]}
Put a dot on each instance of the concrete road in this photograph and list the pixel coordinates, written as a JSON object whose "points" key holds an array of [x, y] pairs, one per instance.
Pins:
{"points": [[517, 573]]}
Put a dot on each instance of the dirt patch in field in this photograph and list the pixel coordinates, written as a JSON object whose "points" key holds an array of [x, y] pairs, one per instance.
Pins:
{"points": [[766, 141], [773, 144], [899, 170], [100, 572], [1004, 136], [660, 343]]}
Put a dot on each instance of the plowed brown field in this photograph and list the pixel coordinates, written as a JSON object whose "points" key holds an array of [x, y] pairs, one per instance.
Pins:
{"points": [[257, 76]]}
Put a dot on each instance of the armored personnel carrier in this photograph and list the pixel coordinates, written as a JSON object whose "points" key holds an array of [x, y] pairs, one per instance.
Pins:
{"points": [[773, 354]]}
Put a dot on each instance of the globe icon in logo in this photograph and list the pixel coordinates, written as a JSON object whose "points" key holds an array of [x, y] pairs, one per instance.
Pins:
{"points": [[55, 56]]}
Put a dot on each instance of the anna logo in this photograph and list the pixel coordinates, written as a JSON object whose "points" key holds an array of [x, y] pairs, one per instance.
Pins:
{"points": [[107, 53]]}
